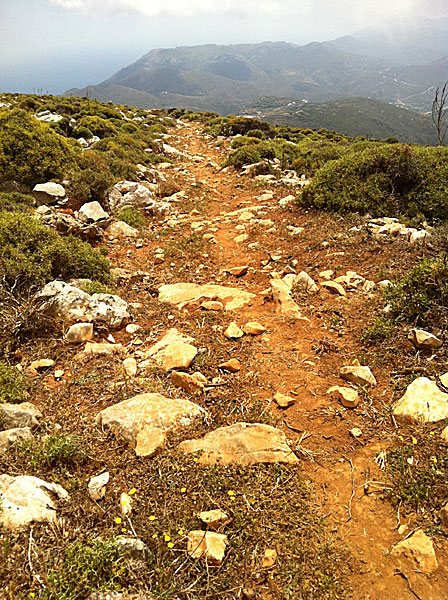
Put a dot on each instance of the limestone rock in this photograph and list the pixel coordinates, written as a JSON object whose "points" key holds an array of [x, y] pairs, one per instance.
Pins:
{"points": [[443, 514], [25, 500], [419, 550], [241, 443], [125, 504], [444, 435], [80, 332], [334, 287], [269, 558], [130, 367], [348, 397], [233, 365], [208, 545], [238, 271], [423, 340], [358, 374], [212, 305], [59, 299], [131, 417], [214, 519], [19, 415], [182, 293], [254, 328], [423, 402], [150, 441], [233, 332], [120, 229], [284, 304], [178, 356], [48, 193], [97, 486], [305, 281], [42, 364], [102, 348], [132, 547], [93, 212], [8, 437], [172, 336], [129, 194], [186, 382], [283, 401]]}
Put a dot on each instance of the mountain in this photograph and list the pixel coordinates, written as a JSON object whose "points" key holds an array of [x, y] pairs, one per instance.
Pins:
{"points": [[352, 116]]}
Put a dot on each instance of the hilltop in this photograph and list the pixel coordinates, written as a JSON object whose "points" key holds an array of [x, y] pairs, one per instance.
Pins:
{"points": [[222, 358]]}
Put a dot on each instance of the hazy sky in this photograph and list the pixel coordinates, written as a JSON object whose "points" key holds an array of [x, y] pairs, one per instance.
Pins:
{"points": [[58, 44]]}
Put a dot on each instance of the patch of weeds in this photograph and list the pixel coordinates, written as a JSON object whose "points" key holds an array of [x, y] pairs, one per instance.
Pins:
{"points": [[53, 452], [132, 217], [418, 475], [13, 384], [84, 568], [87, 379], [95, 287], [380, 330], [187, 247]]}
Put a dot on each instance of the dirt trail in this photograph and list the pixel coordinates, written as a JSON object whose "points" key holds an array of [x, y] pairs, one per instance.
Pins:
{"points": [[290, 358]]}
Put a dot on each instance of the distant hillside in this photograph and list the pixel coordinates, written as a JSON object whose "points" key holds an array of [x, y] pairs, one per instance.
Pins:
{"points": [[352, 116]]}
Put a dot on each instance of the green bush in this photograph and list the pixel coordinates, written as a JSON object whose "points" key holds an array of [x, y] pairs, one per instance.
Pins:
{"points": [[89, 567], [30, 152], [98, 126], [52, 452], [91, 179], [32, 254], [132, 217], [247, 155], [243, 140], [421, 296], [82, 132], [384, 180], [12, 384], [256, 133], [16, 202]]}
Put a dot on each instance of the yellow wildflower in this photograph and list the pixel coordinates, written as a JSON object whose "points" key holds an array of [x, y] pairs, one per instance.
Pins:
{"points": [[117, 520], [152, 518], [131, 492], [170, 545]]}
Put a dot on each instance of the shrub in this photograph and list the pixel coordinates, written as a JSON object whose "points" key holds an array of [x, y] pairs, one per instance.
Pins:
{"points": [[94, 566], [16, 202], [30, 152], [82, 132], [256, 133], [91, 179], [12, 384], [98, 126], [246, 155], [53, 451], [31, 254], [132, 217], [421, 296]]}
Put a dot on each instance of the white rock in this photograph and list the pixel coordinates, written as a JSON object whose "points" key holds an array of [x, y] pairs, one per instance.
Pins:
{"points": [[358, 374], [423, 402], [423, 340], [25, 500], [19, 415], [8, 437], [48, 193], [130, 366], [120, 229], [93, 212], [80, 332], [97, 486]]}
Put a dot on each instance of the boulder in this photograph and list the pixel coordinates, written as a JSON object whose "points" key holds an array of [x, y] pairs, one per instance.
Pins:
{"points": [[358, 374], [136, 415], [25, 500], [238, 271], [62, 300], [8, 437], [120, 229], [150, 441], [129, 194], [241, 443], [130, 367], [423, 402], [180, 294], [93, 212], [134, 548], [80, 332], [186, 382], [178, 356], [19, 415], [97, 486], [306, 282], [423, 340], [48, 193], [173, 336], [208, 545], [417, 550]]}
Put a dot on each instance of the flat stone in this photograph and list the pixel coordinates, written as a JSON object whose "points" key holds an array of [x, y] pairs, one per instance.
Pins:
{"points": [[334, 288], [283, 401], [8, 437], [48, 193], [241, 443], [356, 432], [25, 500], [42, 364], [238, 271], [150, 441], [417, 550], [130, 417], [423, 340], [233, 365], [212, 305], [207, 545], [178, 356], [187, 382], [326, 274], [214, 519], [254, 328], [269, 558], [19, 415], [181, 293], [80, 332], [97, 486], [102, 348], [348, 397], [423, 402], [233, 332], [173, 336], [358, 374]]}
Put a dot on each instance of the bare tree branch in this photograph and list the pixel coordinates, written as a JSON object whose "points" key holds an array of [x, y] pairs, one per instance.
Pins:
{"points": [[439, 112]]}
